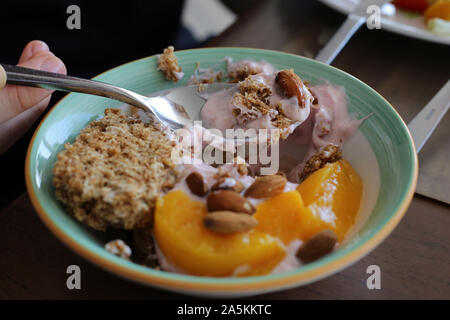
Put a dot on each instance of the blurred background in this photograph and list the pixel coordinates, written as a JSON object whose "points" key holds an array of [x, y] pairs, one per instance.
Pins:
{"points": [[112, 33]]}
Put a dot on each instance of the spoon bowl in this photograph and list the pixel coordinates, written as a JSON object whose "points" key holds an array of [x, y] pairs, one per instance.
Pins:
{"points": [[189, 101]]}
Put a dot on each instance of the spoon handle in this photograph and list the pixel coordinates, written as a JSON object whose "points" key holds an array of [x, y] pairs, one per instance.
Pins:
{"points": [[424, 123], [55, 81]]}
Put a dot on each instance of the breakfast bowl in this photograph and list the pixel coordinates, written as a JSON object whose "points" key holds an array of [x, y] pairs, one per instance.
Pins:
{"points": [[381, 152]]}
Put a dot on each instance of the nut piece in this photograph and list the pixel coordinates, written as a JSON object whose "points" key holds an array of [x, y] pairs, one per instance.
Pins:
{"points": [[317, 246], [226, 200], [266, 186], [228, 222], [196, 184], [290, 84], [226, 183]]}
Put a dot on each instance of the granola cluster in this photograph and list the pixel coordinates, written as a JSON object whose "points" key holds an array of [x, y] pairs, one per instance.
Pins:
{"points": [[168, 63], [113, 172], [328, 154], [205, 76], [119, 248], [252, 102], [241, 72]]}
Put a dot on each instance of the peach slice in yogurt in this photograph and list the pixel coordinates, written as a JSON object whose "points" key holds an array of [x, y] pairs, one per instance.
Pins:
{"points": [[191, 248], [327, 200]]}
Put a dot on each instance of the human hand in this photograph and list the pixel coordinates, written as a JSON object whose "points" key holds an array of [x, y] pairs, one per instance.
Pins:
{"points": [[21, 106]]}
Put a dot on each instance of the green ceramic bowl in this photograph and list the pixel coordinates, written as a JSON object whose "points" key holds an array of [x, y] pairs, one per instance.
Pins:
{"points": [[382, 153]]}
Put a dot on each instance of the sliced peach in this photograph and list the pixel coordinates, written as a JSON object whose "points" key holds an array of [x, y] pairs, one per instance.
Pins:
{"points": [[327, 199], [280, 216], [332, 197], [439, 9], [187, 244]]}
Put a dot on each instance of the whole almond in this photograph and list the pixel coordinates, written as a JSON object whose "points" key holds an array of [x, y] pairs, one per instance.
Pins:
{"points": [[228, 222], [266, 186], [196, 184], [289, 84], [226, 183], [226, 200], [317, 246]]}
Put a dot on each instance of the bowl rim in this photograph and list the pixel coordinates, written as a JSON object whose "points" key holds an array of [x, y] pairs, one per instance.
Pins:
{"points": [[246, 285]]}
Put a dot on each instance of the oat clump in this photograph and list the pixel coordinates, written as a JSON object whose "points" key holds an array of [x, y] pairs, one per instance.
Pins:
{"points": [[241, 72], [330, 153], [205, 76], [253, 101], [119, 248], [168, 63], [114, 171]]}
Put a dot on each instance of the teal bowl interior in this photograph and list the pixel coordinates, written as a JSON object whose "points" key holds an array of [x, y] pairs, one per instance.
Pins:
{"points": [[385, 131]]}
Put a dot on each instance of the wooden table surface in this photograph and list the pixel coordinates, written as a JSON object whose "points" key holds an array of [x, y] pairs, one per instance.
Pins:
{"points": [[414, 260]]}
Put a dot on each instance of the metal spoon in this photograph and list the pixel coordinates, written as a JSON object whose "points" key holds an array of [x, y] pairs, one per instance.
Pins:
{"points": [[176, 109]]}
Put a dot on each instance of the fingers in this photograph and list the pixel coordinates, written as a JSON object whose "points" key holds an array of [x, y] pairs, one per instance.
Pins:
{"points": [[16, 99], [13, 129], [20, 107], [32, 48]]}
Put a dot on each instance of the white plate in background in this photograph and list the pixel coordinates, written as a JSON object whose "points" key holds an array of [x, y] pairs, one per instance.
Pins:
{"points": [[401, 22]]}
